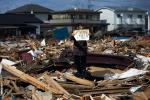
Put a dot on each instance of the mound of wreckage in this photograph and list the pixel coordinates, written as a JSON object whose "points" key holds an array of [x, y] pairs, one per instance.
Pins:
{"points": [[43, 70]]}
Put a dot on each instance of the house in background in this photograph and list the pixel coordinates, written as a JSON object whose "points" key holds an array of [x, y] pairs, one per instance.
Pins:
{"points": [[39, 11], [124, 18], [148, 23], [72, 18], [18, 24]]}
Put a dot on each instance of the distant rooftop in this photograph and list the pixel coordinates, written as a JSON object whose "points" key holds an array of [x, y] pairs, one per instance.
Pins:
{"points": [[18, 19], [124, 9], [29, 8]]}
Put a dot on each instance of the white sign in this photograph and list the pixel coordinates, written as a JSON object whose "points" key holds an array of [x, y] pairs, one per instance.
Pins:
{"points": [[81, 35]]}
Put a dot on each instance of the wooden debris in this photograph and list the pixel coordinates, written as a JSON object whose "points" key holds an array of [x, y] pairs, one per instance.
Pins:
{"points": [[74, 86], [109, 90], [15, 87], [41, 96], [55, 85], [114, 82], [29, 79], [145, 95], [77, 80], [78, 88], [87, 97]]}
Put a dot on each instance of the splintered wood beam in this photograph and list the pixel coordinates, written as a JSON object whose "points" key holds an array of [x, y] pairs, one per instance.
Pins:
{"points": [[76, 79], [74, 86], [115, 82], [29, 79], [55, 85]]}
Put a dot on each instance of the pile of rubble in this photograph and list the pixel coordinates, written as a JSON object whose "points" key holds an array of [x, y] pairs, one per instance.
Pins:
{"points": [[32, 70]]}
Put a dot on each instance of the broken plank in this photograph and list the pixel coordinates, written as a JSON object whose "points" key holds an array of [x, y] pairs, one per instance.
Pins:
{"points": [[29, 79], [74, 86], [115, 82], [76, 79], [56, 85], [113, 90]]}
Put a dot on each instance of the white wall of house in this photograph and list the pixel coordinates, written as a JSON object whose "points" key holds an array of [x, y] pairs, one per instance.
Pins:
{"points": [[126, 18], [38, 29], [131, 18], [149, 24], [109, 16]]}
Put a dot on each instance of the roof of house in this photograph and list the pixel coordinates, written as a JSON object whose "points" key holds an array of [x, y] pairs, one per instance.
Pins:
{"points": [[77, 10], [28, 8], [18, 19], [124, 9]]}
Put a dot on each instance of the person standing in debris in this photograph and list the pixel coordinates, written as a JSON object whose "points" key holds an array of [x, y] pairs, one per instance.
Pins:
{"points": [[80, 55]]}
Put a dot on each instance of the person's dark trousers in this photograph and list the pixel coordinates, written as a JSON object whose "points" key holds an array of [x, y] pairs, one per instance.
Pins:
{"points": [[80, 63]]}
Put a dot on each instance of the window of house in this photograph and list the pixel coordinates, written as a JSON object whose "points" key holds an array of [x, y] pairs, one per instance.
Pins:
{"points": [[89, 17], [61, 16], [55, 16], [94, 17], [118, 15], [130, 16], [140, 16], [130, 19], [80, 17], [49, 17], [139, 20], [68, 16]]}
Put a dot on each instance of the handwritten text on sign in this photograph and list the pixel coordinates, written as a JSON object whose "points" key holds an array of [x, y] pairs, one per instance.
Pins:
{"points": [[81, 35]]}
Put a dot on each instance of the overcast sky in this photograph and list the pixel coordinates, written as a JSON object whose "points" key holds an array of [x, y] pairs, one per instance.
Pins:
{"points": [[64, 4]]}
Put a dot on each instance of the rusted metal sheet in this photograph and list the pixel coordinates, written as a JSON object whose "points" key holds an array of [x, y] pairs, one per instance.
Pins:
{"points": [[97, 60]]}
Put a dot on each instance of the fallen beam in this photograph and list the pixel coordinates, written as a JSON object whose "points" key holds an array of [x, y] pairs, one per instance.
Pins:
{"points": [[29, 79], [76, 79], [55, 85], [105, 91], [74, 86], [115, 82]]}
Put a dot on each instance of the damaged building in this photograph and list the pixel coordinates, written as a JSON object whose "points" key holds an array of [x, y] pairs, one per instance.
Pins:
{"points": [[124, 19], [42, 13], [72, 18], [18, 24]]}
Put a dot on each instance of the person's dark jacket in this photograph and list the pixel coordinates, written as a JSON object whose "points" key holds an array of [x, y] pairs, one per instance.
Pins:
{"points": [[80, 47]]}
